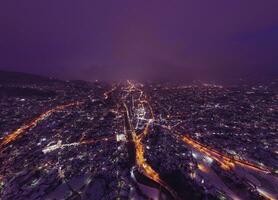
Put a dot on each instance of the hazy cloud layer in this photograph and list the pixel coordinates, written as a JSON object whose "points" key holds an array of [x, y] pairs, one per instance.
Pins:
{"points": [[140, 38]]}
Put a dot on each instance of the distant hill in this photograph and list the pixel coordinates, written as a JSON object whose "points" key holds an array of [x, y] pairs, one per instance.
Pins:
{"points": [[17, 84], [7, 77], [24, 92]]}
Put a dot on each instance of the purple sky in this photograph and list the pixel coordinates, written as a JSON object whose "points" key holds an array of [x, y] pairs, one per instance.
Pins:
{"points": [[103, 39]]}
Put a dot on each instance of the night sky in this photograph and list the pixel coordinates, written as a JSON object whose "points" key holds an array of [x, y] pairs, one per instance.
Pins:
{"points": [[89, 39]]}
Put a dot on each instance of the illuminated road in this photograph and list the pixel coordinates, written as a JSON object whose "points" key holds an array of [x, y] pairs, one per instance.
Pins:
{"points": [[229, 163], [20, 131], [225, 161], [106, 94], [59, 144], [137, 138]]}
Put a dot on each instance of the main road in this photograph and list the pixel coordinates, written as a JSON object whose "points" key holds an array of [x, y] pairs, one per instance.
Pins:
{"points": [[137, 138], [25, 127]]}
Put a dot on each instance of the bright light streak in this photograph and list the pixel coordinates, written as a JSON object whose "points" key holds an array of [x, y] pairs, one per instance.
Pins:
{"points": [[203, 168], [20, 131], [225, 161], [266, 194]]}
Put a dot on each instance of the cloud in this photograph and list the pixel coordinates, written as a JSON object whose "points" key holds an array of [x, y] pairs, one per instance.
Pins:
{"points": [[154, 38]]}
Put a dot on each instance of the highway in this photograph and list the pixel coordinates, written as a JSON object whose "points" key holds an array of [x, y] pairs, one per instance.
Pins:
{"points": [[137, 138], [249, 169], [226, 161]]}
